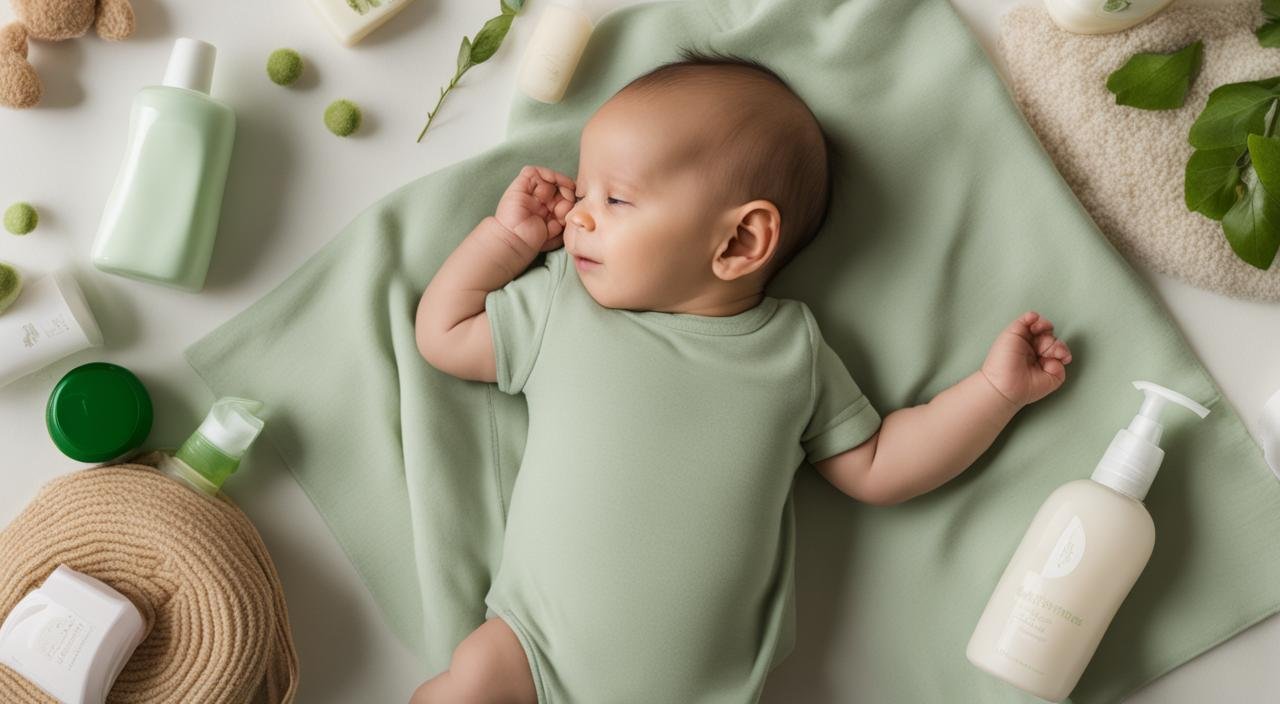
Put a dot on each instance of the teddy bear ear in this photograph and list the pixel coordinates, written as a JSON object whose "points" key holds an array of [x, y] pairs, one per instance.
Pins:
{"points": [[19, 85], [114, 19]]}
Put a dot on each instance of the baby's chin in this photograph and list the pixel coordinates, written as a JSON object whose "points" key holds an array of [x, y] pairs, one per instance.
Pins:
{"points": [[609, 298]]}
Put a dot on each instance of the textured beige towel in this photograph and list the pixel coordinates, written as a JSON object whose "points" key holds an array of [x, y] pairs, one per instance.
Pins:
{"points": [[218, 631], [1126, 165]]}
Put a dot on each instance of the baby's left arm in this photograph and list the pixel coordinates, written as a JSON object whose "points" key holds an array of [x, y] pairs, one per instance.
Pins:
{"points": [[920, 448]]}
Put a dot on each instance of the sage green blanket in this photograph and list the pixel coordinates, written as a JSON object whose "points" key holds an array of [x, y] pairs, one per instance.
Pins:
{"points": [[948, 220]]}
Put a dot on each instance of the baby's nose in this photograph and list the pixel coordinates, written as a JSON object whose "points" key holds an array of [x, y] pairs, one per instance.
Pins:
{"points": [[580, 217]]}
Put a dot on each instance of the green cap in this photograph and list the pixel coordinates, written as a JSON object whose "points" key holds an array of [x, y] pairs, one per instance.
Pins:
{"points": [[98, 412]]}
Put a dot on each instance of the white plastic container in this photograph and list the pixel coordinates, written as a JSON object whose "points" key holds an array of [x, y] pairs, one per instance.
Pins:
{"points": [[351, 20], [49, 321], [71, 636], [1102, 16], [552, 56], [1076, 563]]}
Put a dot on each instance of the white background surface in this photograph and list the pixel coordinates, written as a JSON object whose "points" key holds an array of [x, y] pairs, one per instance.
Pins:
{"points": [[292, 186]]}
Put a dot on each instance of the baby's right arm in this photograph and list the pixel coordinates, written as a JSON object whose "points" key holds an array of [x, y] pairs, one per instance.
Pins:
{"points": [[452, 328]]}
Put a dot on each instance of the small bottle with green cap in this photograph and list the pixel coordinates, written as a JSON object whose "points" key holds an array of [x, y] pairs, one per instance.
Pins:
{"points": [[214, 451]]}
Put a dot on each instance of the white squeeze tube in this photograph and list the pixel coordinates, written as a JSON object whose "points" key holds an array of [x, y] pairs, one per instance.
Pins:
{"points": [[1076, 563]]}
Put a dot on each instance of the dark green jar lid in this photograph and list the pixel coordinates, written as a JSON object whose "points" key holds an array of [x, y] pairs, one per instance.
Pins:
{"points": [[98, 412]]}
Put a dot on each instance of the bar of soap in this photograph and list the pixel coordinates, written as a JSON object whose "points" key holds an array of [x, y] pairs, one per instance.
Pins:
{"points": [[351, 20]]}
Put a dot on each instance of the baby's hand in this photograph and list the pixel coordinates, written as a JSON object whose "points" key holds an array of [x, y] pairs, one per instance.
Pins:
{"points": [[535, 205], [1026, 362]]}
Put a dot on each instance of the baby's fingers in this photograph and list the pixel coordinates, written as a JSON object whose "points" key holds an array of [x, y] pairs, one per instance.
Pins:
{"points": [[1048, 346]]}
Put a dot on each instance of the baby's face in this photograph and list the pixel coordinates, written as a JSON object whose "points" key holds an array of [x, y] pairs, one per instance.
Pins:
{"points": [[642, 233]]}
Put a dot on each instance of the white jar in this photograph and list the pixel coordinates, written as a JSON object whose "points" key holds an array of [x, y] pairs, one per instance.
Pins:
{"points": [[1101, 16]]}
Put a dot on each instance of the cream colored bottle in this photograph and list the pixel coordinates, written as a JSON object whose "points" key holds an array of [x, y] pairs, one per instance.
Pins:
{"points": [[1076, 563], [554, 50]]}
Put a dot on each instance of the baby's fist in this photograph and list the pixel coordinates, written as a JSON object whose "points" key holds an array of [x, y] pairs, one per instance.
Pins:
{"points": [[534, 207], [1026, 362]]}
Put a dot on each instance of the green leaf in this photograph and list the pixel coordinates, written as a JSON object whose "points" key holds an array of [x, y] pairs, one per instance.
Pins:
{"points": [[512, 7], [1269, 34], [1156, 81], [1212, 182], [1252, 226], [1271, 8], [1232, 112], [464, 56], [489, 38]]}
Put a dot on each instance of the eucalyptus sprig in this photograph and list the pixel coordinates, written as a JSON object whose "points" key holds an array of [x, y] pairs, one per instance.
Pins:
{"points": [[486, 44]]}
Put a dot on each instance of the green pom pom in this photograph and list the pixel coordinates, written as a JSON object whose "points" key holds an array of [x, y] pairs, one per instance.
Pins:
{"points": [[284, 66], [10, 286], [21, 218], [342, 117]]}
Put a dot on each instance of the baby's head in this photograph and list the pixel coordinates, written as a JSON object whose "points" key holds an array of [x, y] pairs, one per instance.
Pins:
{"points": [[696, 183]]}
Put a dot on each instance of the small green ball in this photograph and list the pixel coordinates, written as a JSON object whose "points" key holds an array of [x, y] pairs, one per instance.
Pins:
{"points": [[21, 218], [342, 117], [284, 66], [10, 286]]}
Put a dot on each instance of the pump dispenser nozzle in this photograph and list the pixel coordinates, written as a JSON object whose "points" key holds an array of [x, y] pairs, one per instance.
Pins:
{"points": [[1134, 455]]}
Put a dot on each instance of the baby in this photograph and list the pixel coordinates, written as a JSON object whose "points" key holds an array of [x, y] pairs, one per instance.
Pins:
{"points": [[648, 548]]}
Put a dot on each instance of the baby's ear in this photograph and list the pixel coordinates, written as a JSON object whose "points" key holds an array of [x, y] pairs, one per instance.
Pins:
{"points": [[19, 84], [752, 244], [114, 19]]}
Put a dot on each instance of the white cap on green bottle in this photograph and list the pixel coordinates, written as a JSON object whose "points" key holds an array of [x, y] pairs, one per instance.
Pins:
{"points": [[191, 65]]}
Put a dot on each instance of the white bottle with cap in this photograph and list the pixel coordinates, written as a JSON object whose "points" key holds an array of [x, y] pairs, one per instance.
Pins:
{"points": [[1102, 16], [1076, 563], [214, 451], [554, 50], [161, 218]]}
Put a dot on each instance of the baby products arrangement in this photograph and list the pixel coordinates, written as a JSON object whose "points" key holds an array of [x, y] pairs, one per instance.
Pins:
{"points": [[117, 600]]}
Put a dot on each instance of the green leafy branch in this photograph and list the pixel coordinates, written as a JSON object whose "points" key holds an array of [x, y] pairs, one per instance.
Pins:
{"points": [[471, 53]]}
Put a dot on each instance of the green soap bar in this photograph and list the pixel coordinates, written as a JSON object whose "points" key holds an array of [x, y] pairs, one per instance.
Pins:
{"points": [[342, 117], [21, 218], [10, 286], [284, 66]]}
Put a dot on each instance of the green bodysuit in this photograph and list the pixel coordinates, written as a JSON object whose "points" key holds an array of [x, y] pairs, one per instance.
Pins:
{"points": [[648, 549]]}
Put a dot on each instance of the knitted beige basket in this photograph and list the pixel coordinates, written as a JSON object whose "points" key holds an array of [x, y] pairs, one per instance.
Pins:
{"points": [[1125, 165], [196, 568]]}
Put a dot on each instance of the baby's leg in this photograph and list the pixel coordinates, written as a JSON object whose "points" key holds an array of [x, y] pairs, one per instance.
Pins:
{"points": [[488, 667]]}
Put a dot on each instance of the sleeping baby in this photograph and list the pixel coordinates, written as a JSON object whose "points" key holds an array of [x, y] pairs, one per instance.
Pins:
{"points": [[648, 548]]}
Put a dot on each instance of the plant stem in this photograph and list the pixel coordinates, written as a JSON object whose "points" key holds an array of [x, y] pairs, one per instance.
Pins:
{"points": [[432, 115]]}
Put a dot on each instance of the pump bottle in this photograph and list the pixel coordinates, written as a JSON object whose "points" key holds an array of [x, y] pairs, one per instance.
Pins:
{"points": [[1076, 563]]}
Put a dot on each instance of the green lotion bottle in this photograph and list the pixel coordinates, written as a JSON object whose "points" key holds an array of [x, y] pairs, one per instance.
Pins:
{"points": [[213, 452], [161, 218]]}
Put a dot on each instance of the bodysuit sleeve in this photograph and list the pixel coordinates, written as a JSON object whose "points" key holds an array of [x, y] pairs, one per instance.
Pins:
{"points": [[518, 314], [842, 416]]}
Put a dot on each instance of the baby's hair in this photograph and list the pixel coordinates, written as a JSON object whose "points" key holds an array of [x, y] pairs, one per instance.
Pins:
{"points": [[778, 150]]}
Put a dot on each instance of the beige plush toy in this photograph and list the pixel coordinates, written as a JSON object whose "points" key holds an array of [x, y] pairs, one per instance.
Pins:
{"points": [[52, 20]]}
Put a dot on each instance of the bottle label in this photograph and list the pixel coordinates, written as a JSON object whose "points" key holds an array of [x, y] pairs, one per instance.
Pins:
{"points": [[1038, 618], [62, 637], [1066, 553]]}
